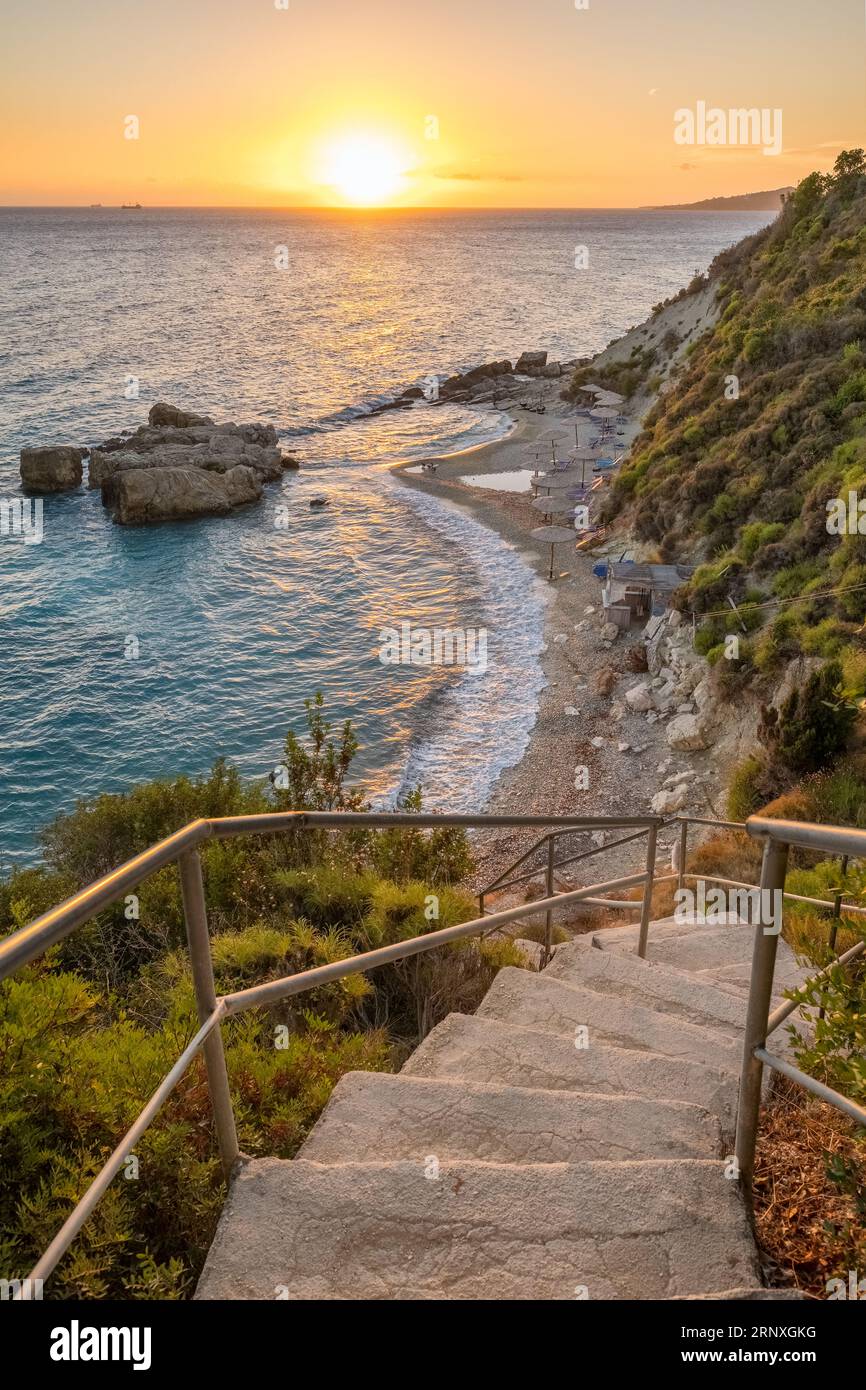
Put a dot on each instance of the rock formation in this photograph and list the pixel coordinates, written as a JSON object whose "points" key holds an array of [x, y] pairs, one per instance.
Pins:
{"points": [[53, 468], [139, 496], [181, 465], [531, 364]]}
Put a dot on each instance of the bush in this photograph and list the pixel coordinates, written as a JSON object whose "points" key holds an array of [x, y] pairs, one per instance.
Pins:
{"points": [[814, 724], [748, 789], [88, 1032]]}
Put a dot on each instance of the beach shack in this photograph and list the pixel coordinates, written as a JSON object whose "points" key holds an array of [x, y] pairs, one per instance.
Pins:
{"points": [[633, 592]]}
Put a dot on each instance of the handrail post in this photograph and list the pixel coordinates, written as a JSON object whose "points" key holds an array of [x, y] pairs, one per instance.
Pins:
{"points": [[646, 908], [548, 916], [773, 872], [198, 938], [834, 929], [684, 838]]}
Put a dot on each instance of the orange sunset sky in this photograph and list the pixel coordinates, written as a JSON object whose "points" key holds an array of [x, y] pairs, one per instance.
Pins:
{"points": [[457, 103]]}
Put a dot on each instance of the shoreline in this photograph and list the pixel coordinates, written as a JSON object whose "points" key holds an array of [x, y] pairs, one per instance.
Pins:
{"points": [[575, 725]]}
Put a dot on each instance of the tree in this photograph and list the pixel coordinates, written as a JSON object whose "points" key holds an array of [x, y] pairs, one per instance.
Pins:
{"points": [[813, 725]]}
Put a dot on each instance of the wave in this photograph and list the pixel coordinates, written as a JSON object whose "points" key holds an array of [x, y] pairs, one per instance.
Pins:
{"points": [[482, 722]]}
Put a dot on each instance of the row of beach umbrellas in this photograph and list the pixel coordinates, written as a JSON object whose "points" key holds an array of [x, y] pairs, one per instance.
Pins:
{"points": [[557, 484], [560, 480]]}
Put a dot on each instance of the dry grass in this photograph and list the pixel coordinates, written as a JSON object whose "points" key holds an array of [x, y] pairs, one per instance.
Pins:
{"points": [[808, 1230]]}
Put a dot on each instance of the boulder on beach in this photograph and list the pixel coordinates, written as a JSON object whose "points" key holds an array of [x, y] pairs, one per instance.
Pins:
{"points": [[139, 496], [688, 733], [531, 364], [51, 468]]}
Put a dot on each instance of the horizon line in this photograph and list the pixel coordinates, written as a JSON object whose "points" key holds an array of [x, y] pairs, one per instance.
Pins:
{"points": [[324, 207]]}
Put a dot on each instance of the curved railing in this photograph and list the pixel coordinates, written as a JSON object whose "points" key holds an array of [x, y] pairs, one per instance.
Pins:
{"points": [[182, 848]]}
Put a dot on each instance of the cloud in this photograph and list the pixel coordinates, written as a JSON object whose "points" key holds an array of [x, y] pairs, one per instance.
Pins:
{"points": [[471, 176]]}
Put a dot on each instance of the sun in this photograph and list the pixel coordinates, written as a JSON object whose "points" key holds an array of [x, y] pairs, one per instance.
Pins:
{"points": [[366, 170]]}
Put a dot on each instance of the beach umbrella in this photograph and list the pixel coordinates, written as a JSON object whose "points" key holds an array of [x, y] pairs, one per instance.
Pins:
{"points": [[556, 481], [606, 412], [583, 457], [552, 536], [555, 503]]}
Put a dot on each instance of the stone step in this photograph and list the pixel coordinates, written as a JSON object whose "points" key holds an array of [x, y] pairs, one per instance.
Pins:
{"points": [[671, 991], [698, 948], [788, 974], [377, 1117], [643, 1230], [551, 1006], [748, 1295], [464, 1045], [625, 936]]}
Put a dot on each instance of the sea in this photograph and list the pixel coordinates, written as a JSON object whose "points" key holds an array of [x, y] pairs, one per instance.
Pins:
{"points": [[135, 653]]}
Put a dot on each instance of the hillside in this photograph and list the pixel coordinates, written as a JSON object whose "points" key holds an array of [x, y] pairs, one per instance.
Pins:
{"points": [[759, 425], [770, 200]]}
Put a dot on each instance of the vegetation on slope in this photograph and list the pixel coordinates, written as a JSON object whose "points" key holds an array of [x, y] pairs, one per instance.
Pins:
{"points": [[737, 469], [88, 1031]]}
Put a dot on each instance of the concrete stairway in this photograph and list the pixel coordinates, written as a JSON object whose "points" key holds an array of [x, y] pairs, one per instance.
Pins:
{"points": [[567, 1141]]}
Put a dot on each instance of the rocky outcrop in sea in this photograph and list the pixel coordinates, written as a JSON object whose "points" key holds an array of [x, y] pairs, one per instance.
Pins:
{"points": [[179, 465]]}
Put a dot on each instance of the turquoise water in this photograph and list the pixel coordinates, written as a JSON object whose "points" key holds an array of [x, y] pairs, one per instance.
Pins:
{"points": [[235, 620]]}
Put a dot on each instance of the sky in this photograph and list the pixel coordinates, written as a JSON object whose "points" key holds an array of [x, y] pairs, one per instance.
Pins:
{"points": [[416, 103]]}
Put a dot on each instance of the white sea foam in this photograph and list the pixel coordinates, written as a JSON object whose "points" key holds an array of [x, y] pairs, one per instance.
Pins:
{"points": [[481, 725]]}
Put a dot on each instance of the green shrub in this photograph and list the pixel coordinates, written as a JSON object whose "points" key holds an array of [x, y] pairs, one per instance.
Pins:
{"points": [[748, 788], [814, 724], [89, 1031]]}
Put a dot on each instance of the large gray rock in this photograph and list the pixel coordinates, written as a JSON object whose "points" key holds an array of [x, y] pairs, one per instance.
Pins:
{"points": [[486, 374], [51, 468], [531, 364], [162, 414], [217, 455], [139, 496], [688, 733]]}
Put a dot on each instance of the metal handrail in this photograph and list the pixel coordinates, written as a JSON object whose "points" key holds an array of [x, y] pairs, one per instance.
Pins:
{"points": [[499, 883], [785, 1010], [56, 924], [778, 836], [53, 926], [662, 821]]}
